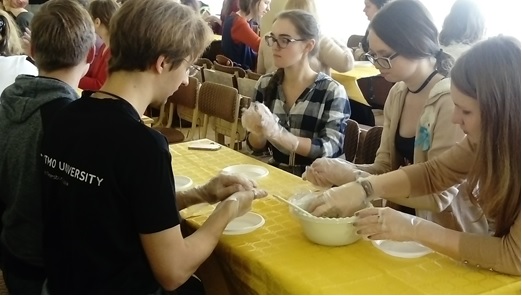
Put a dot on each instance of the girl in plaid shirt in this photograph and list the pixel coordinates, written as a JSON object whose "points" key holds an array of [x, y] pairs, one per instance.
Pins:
{"points": [[299, 115]]}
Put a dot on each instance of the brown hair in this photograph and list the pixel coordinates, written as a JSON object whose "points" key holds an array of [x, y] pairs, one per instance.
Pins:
{"points": [[247, 6], [408, 28], [464, 24], [62, 35], [142, 31], [103, 10], [490, 73], [9, 38]]}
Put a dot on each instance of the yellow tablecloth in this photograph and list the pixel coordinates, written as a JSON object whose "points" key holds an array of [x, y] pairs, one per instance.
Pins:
{"points": [[349, 81], [217, 37], [278, 259]]}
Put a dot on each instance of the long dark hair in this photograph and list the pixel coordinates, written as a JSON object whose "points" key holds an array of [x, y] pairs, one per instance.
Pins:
{"points": [[490, 73], [408, 28]]}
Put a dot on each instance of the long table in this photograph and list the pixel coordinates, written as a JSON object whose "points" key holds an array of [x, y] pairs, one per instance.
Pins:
{"points": [[278, 259], [349, 81]]}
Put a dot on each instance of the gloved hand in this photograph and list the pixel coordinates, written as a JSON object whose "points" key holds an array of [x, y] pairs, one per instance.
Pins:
{"points": [[339, 202], [326, 172], [387, 224], [242, 201], [260, 120], [251, 119], [222, 186]]}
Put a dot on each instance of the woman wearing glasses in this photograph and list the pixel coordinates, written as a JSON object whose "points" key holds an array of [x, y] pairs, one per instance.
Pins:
{"points": [[486, 93], [301, 114], [331, 54], [240, 42], [417, 115]]}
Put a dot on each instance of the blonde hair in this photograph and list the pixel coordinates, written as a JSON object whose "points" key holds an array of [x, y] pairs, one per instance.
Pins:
{"points": [[62, 35], [10, 43], [306, 5], [490, 73], [142, 31]]}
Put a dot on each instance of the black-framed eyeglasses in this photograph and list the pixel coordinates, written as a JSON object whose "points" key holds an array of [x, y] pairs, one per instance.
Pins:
{"points": [[192, 70], [2, 24], [383, 62], [282, 42]]}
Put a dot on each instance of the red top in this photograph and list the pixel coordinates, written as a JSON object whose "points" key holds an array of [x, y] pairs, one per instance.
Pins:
{"points": [[97, 74], [242, 33]]}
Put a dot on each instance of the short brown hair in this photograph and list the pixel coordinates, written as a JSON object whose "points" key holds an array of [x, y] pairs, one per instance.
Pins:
{"points": [[142, 31], [62, 35], [103, 10]]}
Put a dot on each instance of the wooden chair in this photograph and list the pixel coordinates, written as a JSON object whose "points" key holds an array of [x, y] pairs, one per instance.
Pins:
{"points": [[246, 87], [351, 140], [203, 63], [223, 60], [172, 134], [220, 105], [370, 145], [253, 75], [220, 77], [187, 105]]}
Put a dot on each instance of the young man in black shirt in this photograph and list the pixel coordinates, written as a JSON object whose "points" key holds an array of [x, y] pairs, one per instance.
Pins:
{"points": [[110, 208]]}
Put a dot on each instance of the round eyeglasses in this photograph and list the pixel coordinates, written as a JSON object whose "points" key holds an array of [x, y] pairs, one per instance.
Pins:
{"points": [[383, 62], [282, 42]]}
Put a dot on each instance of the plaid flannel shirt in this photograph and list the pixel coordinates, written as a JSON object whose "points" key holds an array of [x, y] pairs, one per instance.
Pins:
{"points": [[320, 113]]}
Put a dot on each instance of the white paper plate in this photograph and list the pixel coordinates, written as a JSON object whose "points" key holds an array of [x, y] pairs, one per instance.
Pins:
{"points": [[362, 64], [182, 182], [244, 224], [401, 249], [247, 170]]}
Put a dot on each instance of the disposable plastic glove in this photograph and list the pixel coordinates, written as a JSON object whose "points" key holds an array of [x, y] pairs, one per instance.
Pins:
{"points": [[387, 224], [326, 172], [242, 201], [337, 202], [251, 119], [223, 186], [273, 131]]}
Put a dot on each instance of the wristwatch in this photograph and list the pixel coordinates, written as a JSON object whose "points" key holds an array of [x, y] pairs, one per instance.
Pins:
{"points": [[368, 189]]}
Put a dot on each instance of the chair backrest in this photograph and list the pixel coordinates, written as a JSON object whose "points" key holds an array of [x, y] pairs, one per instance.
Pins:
{"points": [[253, 75], [203, 62], [186, 95], [354, 40], [371, 144], [246, 87], [351, 140], [211, 75], [223, 60], [375, 90], [221, 104], [239, 72]]}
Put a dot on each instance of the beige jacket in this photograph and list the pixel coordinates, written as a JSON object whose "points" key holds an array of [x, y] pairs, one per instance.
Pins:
{"points": [[441, 208], [331, 55], [498, 253]]}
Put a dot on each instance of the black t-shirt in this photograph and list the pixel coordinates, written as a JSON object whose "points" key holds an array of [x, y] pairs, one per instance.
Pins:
{"points": [[107, 178]]}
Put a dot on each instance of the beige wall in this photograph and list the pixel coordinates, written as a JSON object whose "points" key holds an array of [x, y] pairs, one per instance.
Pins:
{"points": [[275, 8]]}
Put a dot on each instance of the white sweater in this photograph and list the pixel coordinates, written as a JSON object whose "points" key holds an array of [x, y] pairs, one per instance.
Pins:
{"points": [[12, 66]]}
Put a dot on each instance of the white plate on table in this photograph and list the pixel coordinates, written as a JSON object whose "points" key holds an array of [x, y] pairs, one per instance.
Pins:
{"points": [[182, 182], [401, 249], [247, 170], [244, 224]]}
